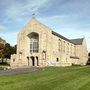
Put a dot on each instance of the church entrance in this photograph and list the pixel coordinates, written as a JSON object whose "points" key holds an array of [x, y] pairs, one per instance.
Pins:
{"points": [[33, 60], [37, 61]]}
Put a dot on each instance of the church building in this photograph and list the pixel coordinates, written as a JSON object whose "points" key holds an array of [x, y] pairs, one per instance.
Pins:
{"points": [[38, 45]]}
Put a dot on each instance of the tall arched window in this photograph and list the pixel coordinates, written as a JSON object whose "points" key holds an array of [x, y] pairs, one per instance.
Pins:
{"points": [[34, 42], [59, 45]]}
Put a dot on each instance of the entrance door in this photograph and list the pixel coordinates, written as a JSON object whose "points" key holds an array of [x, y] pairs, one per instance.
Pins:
{"points": [[28, 60], [37, 61], [33, 61]]}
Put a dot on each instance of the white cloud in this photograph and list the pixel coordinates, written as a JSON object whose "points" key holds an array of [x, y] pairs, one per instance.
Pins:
{"points": [[2, 27], [18, 10], [10, 37], [76, 33]]}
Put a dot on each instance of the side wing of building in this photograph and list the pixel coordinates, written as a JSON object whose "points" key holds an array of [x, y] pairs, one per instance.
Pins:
{"points": [[63, 51]]}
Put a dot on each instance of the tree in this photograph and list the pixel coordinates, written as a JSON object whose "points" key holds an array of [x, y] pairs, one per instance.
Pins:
{"points": [[1, 46], [14, 49], [6, 51], [88, 62], [2, 51], [89, 54]]}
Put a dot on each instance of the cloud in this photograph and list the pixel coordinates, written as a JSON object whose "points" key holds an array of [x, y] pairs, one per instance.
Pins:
{"points": [[68, 21], [25, 8], [7, 36], [2, 27], [68, 17], [69, 7]]}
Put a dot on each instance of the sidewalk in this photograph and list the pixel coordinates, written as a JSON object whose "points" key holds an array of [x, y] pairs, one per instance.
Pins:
{"points": [[19, 70]]}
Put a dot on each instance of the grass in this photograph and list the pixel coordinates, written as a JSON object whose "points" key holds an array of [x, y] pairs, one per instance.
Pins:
{"points": [[51, 78]]}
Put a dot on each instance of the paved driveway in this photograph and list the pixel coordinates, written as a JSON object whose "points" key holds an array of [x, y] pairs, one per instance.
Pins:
{"points": [[19, 70]]}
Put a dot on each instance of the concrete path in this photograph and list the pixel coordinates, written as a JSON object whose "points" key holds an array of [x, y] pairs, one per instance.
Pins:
{"points": [[19, 70]]}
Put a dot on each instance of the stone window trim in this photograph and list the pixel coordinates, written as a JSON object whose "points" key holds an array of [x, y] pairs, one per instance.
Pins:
{"points": [[34, 42]]}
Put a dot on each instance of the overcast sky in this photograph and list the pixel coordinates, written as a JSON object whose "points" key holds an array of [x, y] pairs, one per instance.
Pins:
{"points": [[70, 18]]}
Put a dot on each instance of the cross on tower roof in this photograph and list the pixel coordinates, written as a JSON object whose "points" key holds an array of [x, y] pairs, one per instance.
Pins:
{"points": [[33, 15]]}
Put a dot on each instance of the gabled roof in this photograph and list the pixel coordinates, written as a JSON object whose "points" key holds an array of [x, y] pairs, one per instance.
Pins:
{"points": [[77, 41], [60, 36], [73, 41]]}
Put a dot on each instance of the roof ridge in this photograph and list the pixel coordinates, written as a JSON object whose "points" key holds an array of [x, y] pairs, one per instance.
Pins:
{"points": [[61, 36]]}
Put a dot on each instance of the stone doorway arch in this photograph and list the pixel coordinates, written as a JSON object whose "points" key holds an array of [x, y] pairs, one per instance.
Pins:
{"points": [[33, 60], [37, 60]]}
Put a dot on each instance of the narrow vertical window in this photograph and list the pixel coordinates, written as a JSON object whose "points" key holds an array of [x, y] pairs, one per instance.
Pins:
{"points": [[59, 45]]}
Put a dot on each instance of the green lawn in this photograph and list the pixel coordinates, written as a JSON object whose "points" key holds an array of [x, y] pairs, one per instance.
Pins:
{"points": [[52, 78]]}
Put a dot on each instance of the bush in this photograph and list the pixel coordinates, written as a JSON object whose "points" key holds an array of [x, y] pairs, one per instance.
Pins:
{"points": [[1, 68], [75, 64]]}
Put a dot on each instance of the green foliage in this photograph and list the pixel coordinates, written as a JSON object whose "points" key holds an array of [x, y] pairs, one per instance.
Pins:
{"points": [[76, 64], [51, 78], [2, 51], [1, 68], [1, 46], [89, 54], [6, 51]]}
